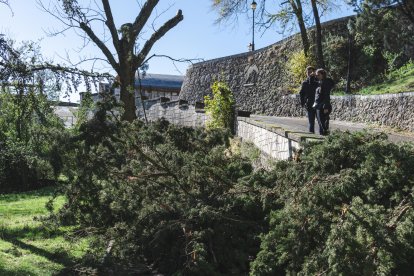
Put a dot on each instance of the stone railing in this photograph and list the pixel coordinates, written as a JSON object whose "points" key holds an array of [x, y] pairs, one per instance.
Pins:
{"points": [[176, 112], [272, 140]]}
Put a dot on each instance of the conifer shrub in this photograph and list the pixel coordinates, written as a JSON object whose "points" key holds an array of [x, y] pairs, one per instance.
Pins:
{"points": [[166, 196], [345, 209], [173, 200]]}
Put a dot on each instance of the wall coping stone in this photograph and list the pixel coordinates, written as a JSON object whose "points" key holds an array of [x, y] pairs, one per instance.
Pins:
{"points": [[363, 97], [294, 135], [377, 96]]}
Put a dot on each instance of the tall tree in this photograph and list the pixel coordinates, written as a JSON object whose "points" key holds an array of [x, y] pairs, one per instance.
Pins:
{"points": [[126, 59]]}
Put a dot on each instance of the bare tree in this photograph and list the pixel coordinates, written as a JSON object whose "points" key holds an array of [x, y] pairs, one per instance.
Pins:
{"points": [[126, 59]]}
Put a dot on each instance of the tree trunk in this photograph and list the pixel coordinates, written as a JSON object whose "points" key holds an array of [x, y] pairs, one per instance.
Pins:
{"points": [[304, 35], [350, 56], [127, 92], [297, 9], [319, 50]]}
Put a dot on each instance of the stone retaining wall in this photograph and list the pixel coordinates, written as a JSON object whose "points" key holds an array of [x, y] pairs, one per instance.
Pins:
{"points": [[393, 110], [272, 140], [258, 79], [264, 91]]}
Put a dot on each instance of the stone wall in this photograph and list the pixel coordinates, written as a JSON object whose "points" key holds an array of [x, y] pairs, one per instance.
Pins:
{"points": [[176, 112], [258, 79], [275, 145], [393, 110], [269, 94]]}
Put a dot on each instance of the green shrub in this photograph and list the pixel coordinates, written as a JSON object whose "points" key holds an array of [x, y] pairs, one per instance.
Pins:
{"points": [[221, 107], [345, 209], [336, 56], [296, 67], [166, 195], [29, 142]]}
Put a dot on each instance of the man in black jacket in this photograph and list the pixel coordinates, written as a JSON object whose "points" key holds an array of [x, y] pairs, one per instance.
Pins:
{"points": [[307, 96], [322, 103]]}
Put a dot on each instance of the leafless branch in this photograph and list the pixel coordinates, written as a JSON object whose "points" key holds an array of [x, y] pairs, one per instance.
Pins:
{"points": [[157, 35], [111, 24]]}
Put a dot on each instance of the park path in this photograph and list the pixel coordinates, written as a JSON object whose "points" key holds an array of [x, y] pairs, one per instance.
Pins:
{"points": [[301, 124]]}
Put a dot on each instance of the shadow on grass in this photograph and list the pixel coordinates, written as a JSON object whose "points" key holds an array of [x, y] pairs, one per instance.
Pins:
{"points": [[15, 272], [30, 232], [16, 196], [59, 257], [15, 236]]}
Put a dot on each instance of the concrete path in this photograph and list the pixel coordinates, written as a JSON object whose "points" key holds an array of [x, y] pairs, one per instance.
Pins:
{"points": [[301, 124]]}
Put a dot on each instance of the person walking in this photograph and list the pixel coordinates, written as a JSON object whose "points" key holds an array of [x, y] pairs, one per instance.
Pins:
{"points": [[307, 96], [322, 103]]}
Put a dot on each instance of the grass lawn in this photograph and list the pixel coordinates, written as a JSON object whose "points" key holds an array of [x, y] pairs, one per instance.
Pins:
{"points": [[27, 247]]}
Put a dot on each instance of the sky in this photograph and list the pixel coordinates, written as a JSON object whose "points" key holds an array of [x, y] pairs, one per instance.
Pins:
{"points": [[196, 37]]}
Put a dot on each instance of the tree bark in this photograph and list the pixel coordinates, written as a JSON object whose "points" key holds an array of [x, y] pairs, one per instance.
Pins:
{"points": [[297, 10], [127, 94], [319, 50], [350, 57]]}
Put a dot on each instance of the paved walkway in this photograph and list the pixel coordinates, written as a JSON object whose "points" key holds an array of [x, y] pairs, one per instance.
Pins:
{"points": [[301, 124]]}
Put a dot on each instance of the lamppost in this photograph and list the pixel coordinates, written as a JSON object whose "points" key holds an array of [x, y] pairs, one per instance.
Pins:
{"points": [[253, 5]]}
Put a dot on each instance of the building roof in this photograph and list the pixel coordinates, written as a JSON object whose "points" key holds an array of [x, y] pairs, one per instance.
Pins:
{"points": [[160, 81]]}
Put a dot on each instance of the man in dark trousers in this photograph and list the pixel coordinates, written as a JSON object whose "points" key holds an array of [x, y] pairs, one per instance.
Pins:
{"points": [[322, 103], [307, 96]]}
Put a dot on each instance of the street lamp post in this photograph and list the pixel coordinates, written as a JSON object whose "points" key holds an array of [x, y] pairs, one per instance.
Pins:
{"points": [[253, 5]]}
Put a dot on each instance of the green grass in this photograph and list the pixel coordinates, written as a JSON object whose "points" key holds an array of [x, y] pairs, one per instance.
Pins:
{"points": [[397, 81], [403, 84], [29, 247]]}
